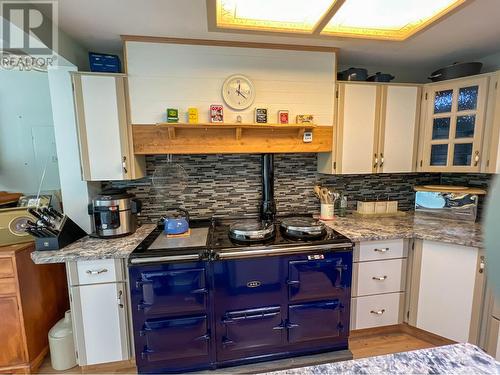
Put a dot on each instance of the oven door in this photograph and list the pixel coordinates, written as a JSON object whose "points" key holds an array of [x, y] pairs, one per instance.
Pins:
{"points": [[317, 321], [320, 276], [247, 333], [176, 342], [172, 291]]}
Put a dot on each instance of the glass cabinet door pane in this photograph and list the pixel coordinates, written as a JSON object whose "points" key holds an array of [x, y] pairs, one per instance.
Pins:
{"points": [[467, 98], [442, 101], [465, 126], [441, 128], [462, 155], [439, 154]]}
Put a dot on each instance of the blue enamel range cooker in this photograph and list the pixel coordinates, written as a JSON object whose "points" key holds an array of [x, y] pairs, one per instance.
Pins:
{"points": [[226, 301]]}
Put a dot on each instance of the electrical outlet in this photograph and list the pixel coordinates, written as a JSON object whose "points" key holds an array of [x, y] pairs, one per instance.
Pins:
{"points": [[308, 137]]}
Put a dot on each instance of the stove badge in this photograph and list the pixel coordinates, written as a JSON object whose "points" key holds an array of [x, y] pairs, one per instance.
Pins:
{"points": [[254, 284]]}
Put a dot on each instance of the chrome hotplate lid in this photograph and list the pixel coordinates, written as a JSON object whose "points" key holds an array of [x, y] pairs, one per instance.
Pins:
{"points": [[251, 230], [303, 224]]}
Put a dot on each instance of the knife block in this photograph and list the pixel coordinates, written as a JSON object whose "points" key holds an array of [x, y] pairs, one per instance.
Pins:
{"points": [[69, 232]]}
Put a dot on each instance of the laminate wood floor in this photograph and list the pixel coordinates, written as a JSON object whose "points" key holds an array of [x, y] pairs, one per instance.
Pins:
{"points": [[360, 346]]}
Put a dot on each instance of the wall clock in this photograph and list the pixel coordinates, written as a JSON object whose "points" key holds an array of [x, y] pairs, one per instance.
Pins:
{"points": [[238, 91]]}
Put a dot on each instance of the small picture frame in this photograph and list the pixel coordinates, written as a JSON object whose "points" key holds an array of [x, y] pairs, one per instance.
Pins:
{"points": [[172, 115], [305, 119], [283, 117], [261, 115], [193, 115], [216, 113]]}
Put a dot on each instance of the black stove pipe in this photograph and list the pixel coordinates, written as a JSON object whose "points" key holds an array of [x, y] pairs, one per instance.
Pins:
{"points": [[268, 205]]}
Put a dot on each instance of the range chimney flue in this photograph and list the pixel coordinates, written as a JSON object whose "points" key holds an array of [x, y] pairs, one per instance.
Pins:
{"points": [[268, 205]]}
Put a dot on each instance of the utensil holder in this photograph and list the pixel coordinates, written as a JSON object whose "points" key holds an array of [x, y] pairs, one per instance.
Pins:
{"points": [[327, 211], [68, 233]]}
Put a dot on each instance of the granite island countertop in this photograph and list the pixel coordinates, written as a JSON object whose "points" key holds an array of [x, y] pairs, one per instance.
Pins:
{"points": [[91, 248], [449, 359], [410, 225]]}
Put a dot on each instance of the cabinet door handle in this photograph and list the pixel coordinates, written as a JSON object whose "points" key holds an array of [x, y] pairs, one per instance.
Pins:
{"points": [[381, 160], [476, 158], [96, 272], [378, 312], [124, 164], [376, 162], [119, 299], [380, 278], [381, 250]]}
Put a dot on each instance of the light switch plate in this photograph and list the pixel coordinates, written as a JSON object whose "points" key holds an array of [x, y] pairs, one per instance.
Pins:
{"points": [[308, 137]]}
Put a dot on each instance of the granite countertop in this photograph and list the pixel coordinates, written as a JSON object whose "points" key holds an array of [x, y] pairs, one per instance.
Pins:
{"points": [[356, 228], [450, 359], [419, 226], [91, 248]]}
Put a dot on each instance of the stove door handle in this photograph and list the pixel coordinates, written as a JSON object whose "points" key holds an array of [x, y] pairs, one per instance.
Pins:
{"points": [[293, 282], [292, 325], [200, 291]]}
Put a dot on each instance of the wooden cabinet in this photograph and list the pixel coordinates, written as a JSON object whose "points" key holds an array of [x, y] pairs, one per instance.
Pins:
{"points": [[104, 135], [100, 311], [452, 125], [446, 290], [32, 299], [378, 283], [376, 129]]}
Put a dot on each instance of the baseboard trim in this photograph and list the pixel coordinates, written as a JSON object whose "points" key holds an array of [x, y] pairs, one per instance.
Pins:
{"points": [[403, 328], [113, 365], [426, 336]]}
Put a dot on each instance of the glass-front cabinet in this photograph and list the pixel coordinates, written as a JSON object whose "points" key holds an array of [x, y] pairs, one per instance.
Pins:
{"points": [[453, 125]]}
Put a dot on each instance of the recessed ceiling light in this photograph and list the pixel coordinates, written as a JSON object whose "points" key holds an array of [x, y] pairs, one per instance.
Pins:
{"points": [[386, 19], [271, 15], [375, 19]]}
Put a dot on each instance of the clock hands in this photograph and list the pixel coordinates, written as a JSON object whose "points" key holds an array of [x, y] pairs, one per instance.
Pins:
{"points": [[239, 93]]}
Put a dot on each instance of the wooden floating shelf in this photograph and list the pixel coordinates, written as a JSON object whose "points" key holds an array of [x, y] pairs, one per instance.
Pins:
{"points": [[224, 138]]}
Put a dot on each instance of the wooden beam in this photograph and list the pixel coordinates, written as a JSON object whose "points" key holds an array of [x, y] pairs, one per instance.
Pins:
{"points": [[327, 17], [226, 43]]}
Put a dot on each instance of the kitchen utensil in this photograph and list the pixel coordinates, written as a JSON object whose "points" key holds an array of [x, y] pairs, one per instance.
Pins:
{"points": [[317, 192], [177, 223], [380, 77], [456, 70], [353, 74], [324, 194]]}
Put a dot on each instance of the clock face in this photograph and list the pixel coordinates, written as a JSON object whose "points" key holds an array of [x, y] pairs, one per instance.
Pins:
{"points": [[238, 92]]}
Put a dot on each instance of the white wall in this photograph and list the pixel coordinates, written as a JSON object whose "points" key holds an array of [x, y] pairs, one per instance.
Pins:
{"points": [[491, 63], [27, 142], [180, 76]]}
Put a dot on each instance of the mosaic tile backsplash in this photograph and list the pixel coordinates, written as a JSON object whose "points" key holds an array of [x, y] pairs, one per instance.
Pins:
{"points": [[230, 185]]}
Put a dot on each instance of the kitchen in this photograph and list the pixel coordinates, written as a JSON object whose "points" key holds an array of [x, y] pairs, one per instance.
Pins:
{"points": [[254, 204]]}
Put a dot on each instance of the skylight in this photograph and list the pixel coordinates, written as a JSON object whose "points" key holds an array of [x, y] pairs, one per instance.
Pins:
{"points": [[376, 19]]}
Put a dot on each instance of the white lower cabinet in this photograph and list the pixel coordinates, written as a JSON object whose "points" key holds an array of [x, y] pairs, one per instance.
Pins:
{"points": [[378, 285], [99, 310], [447, 288]]}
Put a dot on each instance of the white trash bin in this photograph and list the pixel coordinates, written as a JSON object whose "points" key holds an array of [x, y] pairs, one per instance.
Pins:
{"points": [[62, 345]]}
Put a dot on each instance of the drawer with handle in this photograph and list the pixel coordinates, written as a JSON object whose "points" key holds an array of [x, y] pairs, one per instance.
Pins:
{"points": [[95, 271], [386, 276], [6, 267], [377, 311], [379, 250], [8, 286]]}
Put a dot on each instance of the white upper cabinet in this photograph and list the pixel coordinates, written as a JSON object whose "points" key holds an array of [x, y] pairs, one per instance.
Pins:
{"points": [[452, 130], [491, 146], [357, 119], [104, 135], [376, 129], [398, 131]]}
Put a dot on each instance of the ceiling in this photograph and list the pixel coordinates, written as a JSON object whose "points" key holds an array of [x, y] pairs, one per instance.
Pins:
{"points": [[473, 31]]}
